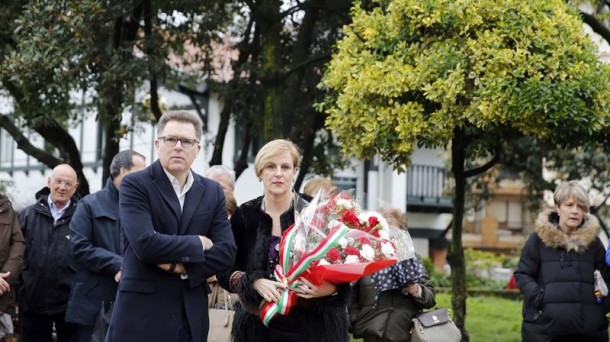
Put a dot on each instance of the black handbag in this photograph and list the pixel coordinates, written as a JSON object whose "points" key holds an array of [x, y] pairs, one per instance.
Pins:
{"points": [[100, 329]]}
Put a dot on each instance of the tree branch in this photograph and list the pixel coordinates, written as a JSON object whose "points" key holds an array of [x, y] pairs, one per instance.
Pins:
{"points": [[23, 143], [484, 167], [308, 62]]}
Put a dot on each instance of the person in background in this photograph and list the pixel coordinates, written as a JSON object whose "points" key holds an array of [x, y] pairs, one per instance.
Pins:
{"points": [[556, 272], [223, 297], [224, 175], [96, 240], [314, 185], [321, 312], [231, 203], [12, 247], [176, 236], [388, 316], [48, 267]]}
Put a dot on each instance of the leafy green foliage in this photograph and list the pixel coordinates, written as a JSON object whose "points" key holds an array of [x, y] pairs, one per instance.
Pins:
{"points": [[411, 72], [51, 51], [478, 263]]}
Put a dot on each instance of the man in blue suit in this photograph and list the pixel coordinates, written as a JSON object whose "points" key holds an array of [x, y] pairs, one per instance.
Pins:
{"points": [[96, 240], [170, 215]]}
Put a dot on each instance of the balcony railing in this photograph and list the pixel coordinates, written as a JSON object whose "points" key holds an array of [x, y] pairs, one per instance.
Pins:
{"points": [[428, 189]]}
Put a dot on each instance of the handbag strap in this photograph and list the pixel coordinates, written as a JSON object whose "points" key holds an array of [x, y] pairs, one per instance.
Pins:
{"points": [[216, 289], [214, 295]]}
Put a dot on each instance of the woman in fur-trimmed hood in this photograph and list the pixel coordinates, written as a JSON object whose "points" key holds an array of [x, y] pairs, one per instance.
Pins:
{"points": [[555, 272]]}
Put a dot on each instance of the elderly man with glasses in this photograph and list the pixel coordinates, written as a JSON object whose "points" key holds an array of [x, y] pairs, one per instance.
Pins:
{"points": [[177, 235]]}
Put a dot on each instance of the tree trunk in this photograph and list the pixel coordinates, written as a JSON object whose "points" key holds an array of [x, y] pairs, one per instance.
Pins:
{"points": [[456, 251], [111, 146], [270, 22]]}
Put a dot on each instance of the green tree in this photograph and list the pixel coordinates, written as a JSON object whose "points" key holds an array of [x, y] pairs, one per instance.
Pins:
{"points": [[282, 48], [51, 49], [469, 74], [542, 166], [112, 48]]}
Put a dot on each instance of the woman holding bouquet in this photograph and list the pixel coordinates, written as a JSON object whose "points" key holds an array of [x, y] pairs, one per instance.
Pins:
{"points": [[321, 312]]}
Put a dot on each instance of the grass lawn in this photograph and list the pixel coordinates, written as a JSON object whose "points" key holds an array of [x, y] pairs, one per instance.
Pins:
{"points": [[488, 318]]}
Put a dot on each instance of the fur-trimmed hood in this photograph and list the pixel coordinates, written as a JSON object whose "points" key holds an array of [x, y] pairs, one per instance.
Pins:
{"points": [[547, 227]]}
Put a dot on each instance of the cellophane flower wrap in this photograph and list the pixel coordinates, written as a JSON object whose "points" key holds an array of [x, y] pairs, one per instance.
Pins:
{"points": [[407, 270], [332, 240]]}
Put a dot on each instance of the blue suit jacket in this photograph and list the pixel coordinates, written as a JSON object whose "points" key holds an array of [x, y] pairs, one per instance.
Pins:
{"points": [[95, 239], [150, 301]]}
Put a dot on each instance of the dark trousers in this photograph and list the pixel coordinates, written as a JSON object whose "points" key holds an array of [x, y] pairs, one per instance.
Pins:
{"points": [[39, 328], [84, 333]]}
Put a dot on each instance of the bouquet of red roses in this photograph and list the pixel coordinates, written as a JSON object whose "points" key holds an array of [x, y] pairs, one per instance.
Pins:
{"points": [[333, 241]]}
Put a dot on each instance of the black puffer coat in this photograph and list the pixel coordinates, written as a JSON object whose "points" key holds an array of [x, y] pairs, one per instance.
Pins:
{"points": [[319, 320], [48, 268], [555, 275]]}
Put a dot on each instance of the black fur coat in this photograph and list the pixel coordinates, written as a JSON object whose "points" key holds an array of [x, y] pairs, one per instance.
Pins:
{"points": [[320, 320]]}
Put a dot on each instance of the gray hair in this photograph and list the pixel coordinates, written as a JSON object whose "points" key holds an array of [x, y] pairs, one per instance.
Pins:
{"points": [[123, 159], [181, 116], [220, 170], [572, 189]]}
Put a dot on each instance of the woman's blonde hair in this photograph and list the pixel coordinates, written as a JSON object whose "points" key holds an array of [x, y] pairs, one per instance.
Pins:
{"points": [[312, 187], [273, 149], [394, 216], [572, 189], [230, 202]]}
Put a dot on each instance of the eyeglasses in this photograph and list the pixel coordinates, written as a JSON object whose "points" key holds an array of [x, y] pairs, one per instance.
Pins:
{"points": [[59, 182], [171, 141]]}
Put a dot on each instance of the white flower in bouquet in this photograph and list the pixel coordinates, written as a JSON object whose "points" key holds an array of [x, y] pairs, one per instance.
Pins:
{"points": [[363, 217], [374, 222], [384, 233], [344, 204], [367, 252], [352, 259], [343, 242], [388, 249]]}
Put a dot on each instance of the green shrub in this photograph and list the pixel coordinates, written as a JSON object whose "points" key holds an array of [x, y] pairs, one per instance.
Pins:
{"points": [[428, 265]]}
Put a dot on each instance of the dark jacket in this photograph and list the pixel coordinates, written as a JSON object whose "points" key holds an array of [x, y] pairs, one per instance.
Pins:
{"points": [[391, 319], [48, 268], [151, 303], [555, 275], [12, 247], [320, 320], [95, 239]]}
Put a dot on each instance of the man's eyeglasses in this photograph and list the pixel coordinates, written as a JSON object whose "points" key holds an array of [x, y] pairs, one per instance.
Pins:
{"points": [[59, 182], [171, 141]]}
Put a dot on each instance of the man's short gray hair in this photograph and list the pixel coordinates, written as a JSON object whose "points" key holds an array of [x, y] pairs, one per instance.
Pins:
{"points": [[181, 116], [220, 170]]}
